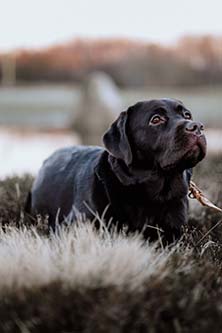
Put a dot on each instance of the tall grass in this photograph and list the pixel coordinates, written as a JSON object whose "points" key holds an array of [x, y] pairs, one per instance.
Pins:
{"points": [[86, 280]]}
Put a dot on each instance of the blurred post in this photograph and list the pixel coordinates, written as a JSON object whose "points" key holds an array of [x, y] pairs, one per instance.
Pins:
{"points": [[8, 69]]}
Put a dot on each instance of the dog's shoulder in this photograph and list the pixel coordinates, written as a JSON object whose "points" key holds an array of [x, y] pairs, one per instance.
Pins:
{"points": [[67, 164], [66, 172], [70, 157]]}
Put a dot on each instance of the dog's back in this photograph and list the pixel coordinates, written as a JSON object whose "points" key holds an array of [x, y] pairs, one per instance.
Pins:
{"points": [[63, 182]]}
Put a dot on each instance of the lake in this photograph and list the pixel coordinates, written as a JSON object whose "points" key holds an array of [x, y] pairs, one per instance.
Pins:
{"points": [[24, 151]]}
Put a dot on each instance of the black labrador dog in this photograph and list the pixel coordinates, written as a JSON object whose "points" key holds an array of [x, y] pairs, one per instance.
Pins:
{"points": [[141, 178]]}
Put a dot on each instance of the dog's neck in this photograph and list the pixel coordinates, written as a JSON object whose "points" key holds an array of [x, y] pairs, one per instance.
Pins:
{"points": [[158, 185]]}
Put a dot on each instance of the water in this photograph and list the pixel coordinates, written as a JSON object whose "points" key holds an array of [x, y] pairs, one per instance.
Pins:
{"points": [[24, 151]]}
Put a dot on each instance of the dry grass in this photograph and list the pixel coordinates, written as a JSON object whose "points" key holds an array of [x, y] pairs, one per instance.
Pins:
{"points": [[77, 257], [83, 280]]}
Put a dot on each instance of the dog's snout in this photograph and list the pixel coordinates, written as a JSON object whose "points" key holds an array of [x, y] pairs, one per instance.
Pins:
{"points": [[194, 127]]}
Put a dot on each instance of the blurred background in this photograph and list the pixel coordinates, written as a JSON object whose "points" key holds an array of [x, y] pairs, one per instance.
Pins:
{"points": [[67, 68]]}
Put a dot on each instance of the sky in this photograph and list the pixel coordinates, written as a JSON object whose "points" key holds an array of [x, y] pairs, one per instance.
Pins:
{"points": [[39, 23]]}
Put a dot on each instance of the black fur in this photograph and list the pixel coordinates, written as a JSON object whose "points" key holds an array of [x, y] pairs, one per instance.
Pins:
{"points": [[140, 180]]}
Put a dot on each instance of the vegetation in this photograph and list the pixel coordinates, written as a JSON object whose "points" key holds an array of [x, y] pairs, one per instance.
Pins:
{"points": [[82, 280], [192, 61]]}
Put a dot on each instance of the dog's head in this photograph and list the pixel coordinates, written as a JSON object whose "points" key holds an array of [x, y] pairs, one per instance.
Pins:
{"points": [[157, 133]]}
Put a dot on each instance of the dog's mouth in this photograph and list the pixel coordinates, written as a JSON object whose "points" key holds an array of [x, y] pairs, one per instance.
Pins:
{"points": [[197, 148], [194, 153]]}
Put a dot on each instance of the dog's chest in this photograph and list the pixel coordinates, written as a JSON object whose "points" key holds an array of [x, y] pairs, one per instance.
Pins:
{"points": [[135, 208], [149, 203]]}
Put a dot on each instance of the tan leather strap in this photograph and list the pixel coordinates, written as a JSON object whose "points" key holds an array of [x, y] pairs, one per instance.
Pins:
{"points": [[196, 193]]}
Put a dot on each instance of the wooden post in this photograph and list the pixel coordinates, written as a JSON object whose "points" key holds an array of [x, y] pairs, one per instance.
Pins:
{"points": [[8, 69]]}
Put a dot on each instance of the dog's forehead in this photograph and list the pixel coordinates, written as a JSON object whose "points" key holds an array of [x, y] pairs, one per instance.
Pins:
{"points": [[172, 102], [169, 104]]}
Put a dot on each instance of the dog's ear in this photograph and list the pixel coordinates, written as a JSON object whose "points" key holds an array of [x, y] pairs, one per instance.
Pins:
{"points": [[116, 141]]}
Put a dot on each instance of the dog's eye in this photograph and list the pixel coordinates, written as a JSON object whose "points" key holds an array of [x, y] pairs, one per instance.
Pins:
{"points": [[155, 120], [187, 115]]}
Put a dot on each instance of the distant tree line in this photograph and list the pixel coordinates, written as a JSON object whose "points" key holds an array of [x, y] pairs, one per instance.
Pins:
{"points": [[192, 61]]}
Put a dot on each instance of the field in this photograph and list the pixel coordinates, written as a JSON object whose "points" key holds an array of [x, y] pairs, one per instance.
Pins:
{"points": [[80, 280], [54, 106]]}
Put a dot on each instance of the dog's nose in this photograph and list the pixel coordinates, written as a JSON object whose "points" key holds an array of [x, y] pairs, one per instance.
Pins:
{"points": [[194, 127]]}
